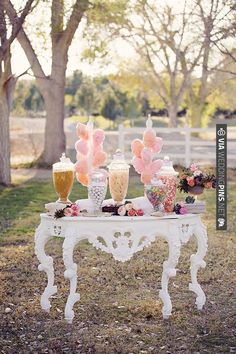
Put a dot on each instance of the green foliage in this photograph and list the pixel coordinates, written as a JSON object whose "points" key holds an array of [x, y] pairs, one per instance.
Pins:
{"points": [[87, 96]]}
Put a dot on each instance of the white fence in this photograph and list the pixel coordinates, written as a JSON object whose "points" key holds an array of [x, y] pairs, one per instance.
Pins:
{"points": [[181, 144]]}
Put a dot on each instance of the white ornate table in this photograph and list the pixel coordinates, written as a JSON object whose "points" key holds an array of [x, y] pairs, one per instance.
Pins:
{"points": [[122, 237]]}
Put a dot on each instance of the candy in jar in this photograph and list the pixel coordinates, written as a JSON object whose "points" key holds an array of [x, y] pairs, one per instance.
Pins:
{"points": [[97, 188], [156, 192], [118, 177], [168, 176]]}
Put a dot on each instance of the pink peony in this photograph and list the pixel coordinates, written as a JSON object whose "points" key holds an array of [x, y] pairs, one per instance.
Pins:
{"points": [[208, 185], [132, 212], [190, 181], [140, 212], [68, 211]]}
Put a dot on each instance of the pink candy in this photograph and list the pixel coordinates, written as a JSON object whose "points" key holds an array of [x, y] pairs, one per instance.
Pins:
{"points": [[143, 152], [83, 148]]}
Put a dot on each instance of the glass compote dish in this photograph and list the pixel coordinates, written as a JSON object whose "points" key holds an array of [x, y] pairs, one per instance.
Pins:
{"points": [[156, 193], [63, 178], [97, 188], [168, 176]]}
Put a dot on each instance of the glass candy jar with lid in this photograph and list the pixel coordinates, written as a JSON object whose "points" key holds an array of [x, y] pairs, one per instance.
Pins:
{"points": [[63, 178], [97, 188], [168, 176], [156, 192], [118, 177]]}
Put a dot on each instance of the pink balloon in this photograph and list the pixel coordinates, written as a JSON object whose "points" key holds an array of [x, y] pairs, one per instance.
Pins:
{"points": [[156, 166], [137, 147], [146, 156], [81, 146], [138, 164], [82, 131], [99, 158], [81, 167], [158, 145], [149, 138], [98, 137], [146, 175]]}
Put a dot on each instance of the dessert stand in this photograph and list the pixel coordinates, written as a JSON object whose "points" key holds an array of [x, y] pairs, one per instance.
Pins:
{"points": [[122, 237]]}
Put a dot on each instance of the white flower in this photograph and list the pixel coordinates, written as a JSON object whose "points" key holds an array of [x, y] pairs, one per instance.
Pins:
{"points": [[197, 173], [121, 210], [129, 206]]}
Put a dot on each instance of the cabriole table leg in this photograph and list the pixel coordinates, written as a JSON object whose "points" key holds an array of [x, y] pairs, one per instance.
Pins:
{"points": [[46, 264], [169, 271], [71, 274], [198, 262]]}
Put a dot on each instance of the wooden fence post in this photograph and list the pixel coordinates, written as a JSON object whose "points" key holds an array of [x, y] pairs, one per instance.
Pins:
{"points": [[121, 138], [187, 145]]}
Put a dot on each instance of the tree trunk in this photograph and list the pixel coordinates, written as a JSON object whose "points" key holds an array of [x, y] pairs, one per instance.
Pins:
{"points": [[5, 171], [54, 137], [172, 113], [54, 98]]}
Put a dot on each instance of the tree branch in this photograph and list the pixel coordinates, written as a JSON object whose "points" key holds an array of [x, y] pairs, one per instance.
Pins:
{"points": [[27, 47], [78, 11]]}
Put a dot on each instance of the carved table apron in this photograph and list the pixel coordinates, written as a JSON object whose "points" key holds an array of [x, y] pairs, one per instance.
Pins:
{"points": [[122, 237]]}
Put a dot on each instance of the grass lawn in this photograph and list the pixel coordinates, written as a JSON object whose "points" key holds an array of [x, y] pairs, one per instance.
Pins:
{"points": [[120, 310]]}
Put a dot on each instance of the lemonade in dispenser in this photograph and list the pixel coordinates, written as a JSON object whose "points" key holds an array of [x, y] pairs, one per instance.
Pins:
{"points": [[63, 178]]}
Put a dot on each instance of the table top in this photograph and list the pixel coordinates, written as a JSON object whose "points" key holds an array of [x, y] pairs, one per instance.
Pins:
{"points": [[119, 219]]}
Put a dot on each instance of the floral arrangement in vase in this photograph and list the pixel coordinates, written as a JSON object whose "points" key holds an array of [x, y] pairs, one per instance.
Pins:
{"points": [[144, 150], [194, 181]]}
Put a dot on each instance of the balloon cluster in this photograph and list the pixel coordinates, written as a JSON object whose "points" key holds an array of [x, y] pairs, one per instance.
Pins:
{"points": [[144, 150], [89, 150]]}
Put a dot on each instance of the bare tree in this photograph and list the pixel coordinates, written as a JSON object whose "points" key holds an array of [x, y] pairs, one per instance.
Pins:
{"points": [[160, 36], [173, 43], [52, 86], [216, 18], [7, 83]]}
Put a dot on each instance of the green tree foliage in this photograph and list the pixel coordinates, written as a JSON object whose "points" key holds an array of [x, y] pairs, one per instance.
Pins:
{"points": [[87, 96], [34, 100]]}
